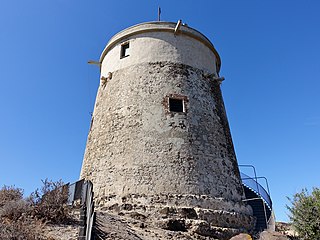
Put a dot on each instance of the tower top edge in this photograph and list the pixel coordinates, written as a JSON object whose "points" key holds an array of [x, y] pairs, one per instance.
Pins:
{"points": [[160, 26]]}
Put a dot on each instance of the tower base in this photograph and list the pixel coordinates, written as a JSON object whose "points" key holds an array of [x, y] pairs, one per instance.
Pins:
{"points": [[199, 214]]}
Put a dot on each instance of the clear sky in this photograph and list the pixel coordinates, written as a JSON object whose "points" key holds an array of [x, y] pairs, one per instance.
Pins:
{"points": [[270, 58]]}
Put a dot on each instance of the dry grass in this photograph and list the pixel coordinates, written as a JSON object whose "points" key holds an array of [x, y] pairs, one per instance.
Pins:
{"points": [[10, 193], [25, 218], [21, 230], [50, 203]]}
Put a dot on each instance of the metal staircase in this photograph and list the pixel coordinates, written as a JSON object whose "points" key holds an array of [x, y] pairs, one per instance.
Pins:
{"points": [[259, 199]]}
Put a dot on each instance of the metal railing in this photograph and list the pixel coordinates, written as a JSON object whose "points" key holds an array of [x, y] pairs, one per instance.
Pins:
{"points": [[263, 195], [254, 185], [257, 188]]}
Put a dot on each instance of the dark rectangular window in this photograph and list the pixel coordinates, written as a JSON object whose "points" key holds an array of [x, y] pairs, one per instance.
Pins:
{"points": [[124, 50], [176, 105]]}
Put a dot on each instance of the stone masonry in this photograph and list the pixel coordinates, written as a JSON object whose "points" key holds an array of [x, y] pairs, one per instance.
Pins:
{"points": [[145, 158]]}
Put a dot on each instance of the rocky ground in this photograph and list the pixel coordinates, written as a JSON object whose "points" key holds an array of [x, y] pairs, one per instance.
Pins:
{"points": [[115, 227], [61, 231], [110, 226]]}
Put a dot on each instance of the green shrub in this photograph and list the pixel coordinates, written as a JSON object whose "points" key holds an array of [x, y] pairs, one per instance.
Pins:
{"points": [[305, 214]]}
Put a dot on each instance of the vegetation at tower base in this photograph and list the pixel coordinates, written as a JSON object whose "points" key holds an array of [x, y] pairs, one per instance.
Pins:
{"points": [[28, 218], [305, 213], [49, 202]]}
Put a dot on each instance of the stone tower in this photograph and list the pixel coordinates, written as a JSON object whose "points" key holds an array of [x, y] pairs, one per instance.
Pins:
{"points": [[159, 137]]}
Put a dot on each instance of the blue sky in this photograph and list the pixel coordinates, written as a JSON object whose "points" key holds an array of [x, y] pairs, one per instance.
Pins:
{"points": [[270, 59]]}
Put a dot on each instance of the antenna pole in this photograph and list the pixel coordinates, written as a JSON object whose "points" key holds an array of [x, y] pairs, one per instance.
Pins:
{"points": [[159, 13]]}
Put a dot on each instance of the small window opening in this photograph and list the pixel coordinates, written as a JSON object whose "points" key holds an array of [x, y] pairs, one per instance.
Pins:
{"points": [[176, 105], [124, 50]]}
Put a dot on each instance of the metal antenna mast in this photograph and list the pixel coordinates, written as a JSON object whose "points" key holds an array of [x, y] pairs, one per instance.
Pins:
{"points": [[159, 13]]}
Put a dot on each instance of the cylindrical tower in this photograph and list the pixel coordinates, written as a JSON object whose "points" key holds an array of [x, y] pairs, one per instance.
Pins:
{"points": [[159, 135]]}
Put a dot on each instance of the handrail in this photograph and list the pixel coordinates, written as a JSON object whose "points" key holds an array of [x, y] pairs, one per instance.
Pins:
{"points": [[255, 186], [266, 180], [254, 171], [263, 195]]}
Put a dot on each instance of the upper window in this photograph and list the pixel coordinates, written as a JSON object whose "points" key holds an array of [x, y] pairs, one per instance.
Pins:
{"points": [[124, 50], [176, 105]]}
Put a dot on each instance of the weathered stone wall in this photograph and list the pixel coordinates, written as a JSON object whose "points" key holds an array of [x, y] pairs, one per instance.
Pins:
{"points": [[139, 154], [136, 146]]}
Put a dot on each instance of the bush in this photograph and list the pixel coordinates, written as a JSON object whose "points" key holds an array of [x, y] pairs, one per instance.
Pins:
{"points": [[10, 193], [49, 203], [20, 230], [12, 225], [305, 214], [13, 210], [12, 206], [23, 218]]}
